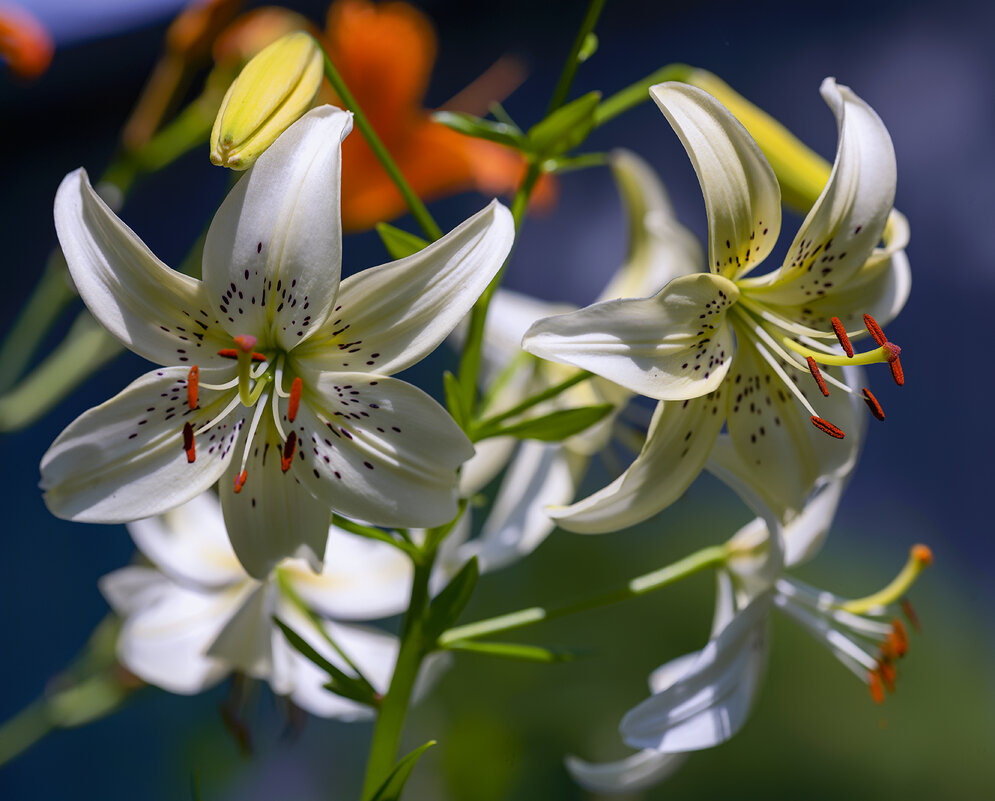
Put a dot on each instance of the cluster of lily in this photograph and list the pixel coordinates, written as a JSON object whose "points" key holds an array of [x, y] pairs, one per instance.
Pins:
{"points": [[274, 383]]}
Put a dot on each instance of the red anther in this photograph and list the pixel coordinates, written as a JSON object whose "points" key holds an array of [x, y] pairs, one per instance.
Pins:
{"points": [[922, 554], [910, 614], [875, 686], [887, 672], [245, 342], [288, 451], [899, 637], [828, 428], [188, 443], [875, 330], [896, 371], [813, 368], [841, 336], [240, 481], [231, 353], [193, 386], [872, 404], [295, 398]]}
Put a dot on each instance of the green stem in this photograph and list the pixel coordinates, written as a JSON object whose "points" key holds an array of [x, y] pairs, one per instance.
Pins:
{"points": [[372, 533], [594, 9], [638, 92], [665, 576], [23, 730], [418, 210], [528, 403]]}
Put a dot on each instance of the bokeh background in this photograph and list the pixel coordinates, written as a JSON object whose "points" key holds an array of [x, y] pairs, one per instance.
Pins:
{"points": [[503, 728]]}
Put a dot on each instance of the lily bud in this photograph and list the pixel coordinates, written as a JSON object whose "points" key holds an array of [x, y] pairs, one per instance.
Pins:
{"points": [[273, 90]]}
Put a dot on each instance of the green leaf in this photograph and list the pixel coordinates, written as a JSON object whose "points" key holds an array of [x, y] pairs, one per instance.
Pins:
{"points": [[589, 48], [392, 788], [399, 244], [454, 398], [509, 650], [448, 605], [553, 427], [565, 128], [341, 683], [479, 128]]}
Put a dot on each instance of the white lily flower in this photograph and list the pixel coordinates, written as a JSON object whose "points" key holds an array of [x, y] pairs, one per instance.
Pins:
{"points": [[721, 347], [276, 377], [703, 699], [195, 615], [542, 474]]}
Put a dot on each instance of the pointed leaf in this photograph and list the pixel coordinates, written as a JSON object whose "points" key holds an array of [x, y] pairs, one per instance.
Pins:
{"points": [[565, 128], [469, 125], [400, 244], [448, 605], [391, 789], [454, 398], [510, 650], [553, 427]]}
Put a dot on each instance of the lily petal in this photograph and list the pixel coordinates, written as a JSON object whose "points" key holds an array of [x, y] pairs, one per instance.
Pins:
{"points": [[742, 196], [245, 642], [387, 318], [158, 313], [124, 459], [380, 450], [673, 346], [273, 516], [637, 772], [273, 254], [677, 445]]}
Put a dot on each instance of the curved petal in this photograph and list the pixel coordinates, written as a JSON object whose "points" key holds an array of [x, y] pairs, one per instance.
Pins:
{"points": [[158, 313], [490, 458], [540, 475], [660, 248], [378, 449], [637, 772], [125, 459], [273, 516], [677, 445], [804, 535], [711, 701], [849, 217], [509, 316], [245, 642], [389, 317], [190, 544], [742, 196], [672, 346], [273, 254]]}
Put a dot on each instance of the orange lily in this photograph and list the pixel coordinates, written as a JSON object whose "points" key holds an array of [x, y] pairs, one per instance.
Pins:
{"points": [[24, 42]]}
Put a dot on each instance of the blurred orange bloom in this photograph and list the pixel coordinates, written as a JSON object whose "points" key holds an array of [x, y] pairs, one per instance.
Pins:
{"points": [[24, 43], [385, 55]]}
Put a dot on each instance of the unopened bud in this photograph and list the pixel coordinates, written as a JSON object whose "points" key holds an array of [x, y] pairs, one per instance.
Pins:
{"points": [[273, 90]]}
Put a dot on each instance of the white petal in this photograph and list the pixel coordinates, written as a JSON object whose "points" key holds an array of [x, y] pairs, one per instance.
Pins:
{"points": [[660, 248], [273, 516], [273, 254], [157, 312], [387, 318], [245, 641], [483, 467], [672, 346], [849, 217], [509, 316], [711, 701], [381, 451], [190, 544], [124, 460], [804, 535], [677, 444], [637, 772], [742, 196], [540, 475], [132, 588]]}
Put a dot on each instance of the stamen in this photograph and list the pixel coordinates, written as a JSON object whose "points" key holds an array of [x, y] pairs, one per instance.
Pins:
{"points": [[256, 415], [887, 672], [193, 385], [842, 337], [231, 353], [289, 447], [224, 413], [874, 329], [240, 481], [875, 686], [295, 398], [920, 557], [188, 443], [828, 428], [910, 614], [813, 368], [872, 404], [896, 371]]}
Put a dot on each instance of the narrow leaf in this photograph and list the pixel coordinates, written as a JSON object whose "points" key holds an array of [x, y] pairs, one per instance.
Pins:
{"points": [[565, 128], [478, 128], [508, 650], [454, 398], [589, 48], [392, 788], [448, 605], [400, 244], [553, 427]]}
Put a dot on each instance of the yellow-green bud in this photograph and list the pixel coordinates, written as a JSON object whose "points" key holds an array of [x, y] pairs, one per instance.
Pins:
{"points": [[273, 90]]}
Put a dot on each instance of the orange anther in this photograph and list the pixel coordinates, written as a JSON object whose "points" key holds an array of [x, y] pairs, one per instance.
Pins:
{"points": [[188, 443], [887, 672], [828, 428], [25, 44], [193, 386], [910, 614], [896, 371], [841, 336], [874, 329], [813, 368], [872, 404], [240, 481], [922, 554], [231, 353], [288, 451], [899, 637], [875, 686], [295, 398], [245, 342]]}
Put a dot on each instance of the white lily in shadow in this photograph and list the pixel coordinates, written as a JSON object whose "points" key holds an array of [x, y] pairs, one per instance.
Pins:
{"points": [[703, 699], [724, 348], [540, 474], [194, 616], [276, 376]]}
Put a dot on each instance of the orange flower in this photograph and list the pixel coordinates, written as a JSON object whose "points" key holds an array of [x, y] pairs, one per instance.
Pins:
{"points": [[24, 42], [385, 55]]}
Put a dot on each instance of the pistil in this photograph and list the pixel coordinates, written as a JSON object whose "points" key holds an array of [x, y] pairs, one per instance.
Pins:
{"points": [[244, 351], [920, 557]]}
